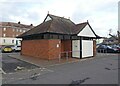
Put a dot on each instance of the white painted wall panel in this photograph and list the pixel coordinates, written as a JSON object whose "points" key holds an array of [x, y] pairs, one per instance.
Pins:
{"points": [[87, 32], [76, 48], [8, 41], [87, 48]]}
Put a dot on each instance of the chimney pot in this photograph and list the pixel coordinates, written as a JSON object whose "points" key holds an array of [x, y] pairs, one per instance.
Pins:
{"points": [[31, 24], [19, 22]]}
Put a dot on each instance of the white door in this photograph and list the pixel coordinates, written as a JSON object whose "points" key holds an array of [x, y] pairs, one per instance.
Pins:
{"points": [[76, 48], [87, 48]]}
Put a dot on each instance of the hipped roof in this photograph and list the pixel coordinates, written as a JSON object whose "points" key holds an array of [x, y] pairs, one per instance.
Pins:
{"points": [[59, 25], [17, 25]]}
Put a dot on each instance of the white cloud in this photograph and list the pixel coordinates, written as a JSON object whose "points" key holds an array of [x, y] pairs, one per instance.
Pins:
{"points": [[102, 14]]}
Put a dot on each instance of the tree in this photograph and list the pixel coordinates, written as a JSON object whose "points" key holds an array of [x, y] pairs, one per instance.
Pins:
{"points": [[116, 37]]}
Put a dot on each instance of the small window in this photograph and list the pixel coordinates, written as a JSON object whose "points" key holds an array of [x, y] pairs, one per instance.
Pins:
{"points": [[20, 30], [16, 35], [12, 41], [4, 35], [23, 30], [4, 29], [16, 42], [4, 40]]}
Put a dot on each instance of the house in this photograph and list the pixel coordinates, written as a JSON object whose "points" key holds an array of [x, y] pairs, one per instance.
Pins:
{"points": [[110, 40], [57, 36], [10, 30]]}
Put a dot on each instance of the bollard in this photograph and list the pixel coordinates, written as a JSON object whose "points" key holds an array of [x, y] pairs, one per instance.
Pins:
{"points": [[59, 57], [66, 55]]}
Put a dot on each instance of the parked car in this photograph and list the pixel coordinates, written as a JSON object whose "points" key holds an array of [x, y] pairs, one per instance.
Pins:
{"points": [[16, 48], [117, 47], [6, 49], [107, 49]]}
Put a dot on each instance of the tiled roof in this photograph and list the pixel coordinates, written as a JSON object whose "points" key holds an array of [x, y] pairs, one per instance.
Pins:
{"points": [[59, 25], [11, 24], [81, 26]]}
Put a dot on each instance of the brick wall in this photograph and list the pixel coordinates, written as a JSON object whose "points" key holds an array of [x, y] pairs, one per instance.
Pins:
{"points": [[10, 33], [66, 45], [48, 49], [43, 49], [54, 48], [94, 47]]}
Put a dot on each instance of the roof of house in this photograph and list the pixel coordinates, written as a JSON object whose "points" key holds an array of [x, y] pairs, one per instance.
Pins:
{"points": [[58, 25], [80, 26], [11, 24]]}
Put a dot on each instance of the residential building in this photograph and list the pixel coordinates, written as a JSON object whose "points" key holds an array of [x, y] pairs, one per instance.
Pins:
{"points": [[59, 37], [9, 31], [110, 40]]}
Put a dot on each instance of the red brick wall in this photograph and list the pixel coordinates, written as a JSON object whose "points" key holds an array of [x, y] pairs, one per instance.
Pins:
{"points": [[9, 32], [44, 49], [66, 45], [47, 49], [54, 48], [94, 47], [35, 48]]}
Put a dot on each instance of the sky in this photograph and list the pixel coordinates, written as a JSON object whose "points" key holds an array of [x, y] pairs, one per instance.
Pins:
{"points": [[101, 14]]}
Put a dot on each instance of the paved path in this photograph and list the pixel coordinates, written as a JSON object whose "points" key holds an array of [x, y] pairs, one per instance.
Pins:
{"points": [[44, 63], [101, 70]]}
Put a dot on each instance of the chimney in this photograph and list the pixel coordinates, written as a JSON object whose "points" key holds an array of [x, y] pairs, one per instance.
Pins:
{"points": [[19, 22], [31, 24]]}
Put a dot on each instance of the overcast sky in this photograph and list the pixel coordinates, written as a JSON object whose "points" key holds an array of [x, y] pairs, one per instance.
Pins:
{"points": [[101, 14]]}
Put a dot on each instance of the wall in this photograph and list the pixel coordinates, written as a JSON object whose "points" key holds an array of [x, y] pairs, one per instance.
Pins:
{"points": [[12, 31], [94, 48], [9, 41], [43, 49], [54, 48], [87, 48], [66, 46], [76, 48]]}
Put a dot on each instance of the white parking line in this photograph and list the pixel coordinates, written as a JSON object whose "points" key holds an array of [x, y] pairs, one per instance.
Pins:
{"points": [[1, 71]]}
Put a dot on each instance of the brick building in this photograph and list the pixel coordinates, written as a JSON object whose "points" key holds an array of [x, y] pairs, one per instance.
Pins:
{"points": [[9, 31], [59, 37]]}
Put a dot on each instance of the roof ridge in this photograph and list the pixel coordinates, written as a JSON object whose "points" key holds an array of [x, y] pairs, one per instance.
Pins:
{"points": [[15, 23], [58, 16]]}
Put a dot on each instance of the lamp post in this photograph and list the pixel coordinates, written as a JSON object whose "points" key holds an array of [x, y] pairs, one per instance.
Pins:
{"points": [[118, 37]]}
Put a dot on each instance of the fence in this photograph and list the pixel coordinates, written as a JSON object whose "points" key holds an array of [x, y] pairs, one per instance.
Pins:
{"points": [[66, 54]]}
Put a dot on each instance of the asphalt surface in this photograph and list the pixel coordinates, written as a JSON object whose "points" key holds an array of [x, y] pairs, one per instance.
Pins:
{"points": [[9, 64], [102, 69]]}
